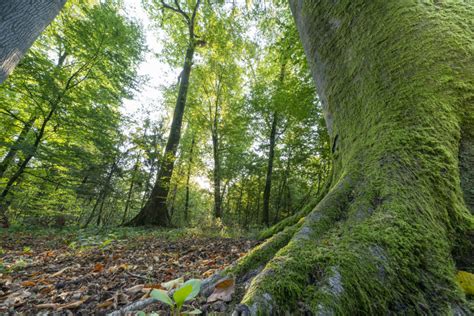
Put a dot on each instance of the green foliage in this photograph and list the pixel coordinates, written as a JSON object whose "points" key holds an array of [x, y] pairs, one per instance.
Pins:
{"points": [[183, 292], [93, 166]]}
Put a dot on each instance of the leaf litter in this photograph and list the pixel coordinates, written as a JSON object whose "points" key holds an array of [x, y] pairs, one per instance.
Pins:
{"points": [[52, 276]]}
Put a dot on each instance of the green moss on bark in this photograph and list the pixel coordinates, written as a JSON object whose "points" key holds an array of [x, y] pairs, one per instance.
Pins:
{"points": [[396, 81]]}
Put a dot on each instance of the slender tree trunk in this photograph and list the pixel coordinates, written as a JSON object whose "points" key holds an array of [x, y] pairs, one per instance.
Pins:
{"points": [[239, 202], [216, 176], [102, 196], [188, 178], [155, 211], [20, 24], [101, 208], [130, 191], [282, 187], [14, 178], [16, 145], [153, 164], [173, 199], [268, 180], [396, 81]]}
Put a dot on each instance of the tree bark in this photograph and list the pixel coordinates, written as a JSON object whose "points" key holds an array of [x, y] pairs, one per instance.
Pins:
{"points": [[20, 24], [268, 180], [155, 211], [188, 178], [4, 203], [216, 172], [16, 146], [396, 80], [102, 196], [130, 191]]}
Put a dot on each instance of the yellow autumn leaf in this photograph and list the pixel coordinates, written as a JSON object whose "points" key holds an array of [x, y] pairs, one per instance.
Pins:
{"points": [[466, 281]]}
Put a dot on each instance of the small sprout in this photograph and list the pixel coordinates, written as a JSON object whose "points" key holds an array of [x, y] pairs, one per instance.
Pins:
{"points": [[162, 296], [186, 291], [181, 295]]}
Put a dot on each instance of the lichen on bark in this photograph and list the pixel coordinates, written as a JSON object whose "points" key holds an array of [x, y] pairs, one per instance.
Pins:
{"points": [[396, 81]]}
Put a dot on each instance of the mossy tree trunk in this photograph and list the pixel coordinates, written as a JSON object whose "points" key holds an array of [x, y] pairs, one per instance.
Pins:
{"points": [[395, 79]]}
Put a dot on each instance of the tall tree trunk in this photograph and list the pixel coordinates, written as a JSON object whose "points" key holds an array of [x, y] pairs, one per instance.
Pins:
{"points": [[130, 191], [396, 81], [20, 24], [155, 211], [282, 187], [16, 145], [4, 204], [268, 180], [216, 176], [102, 196], [188, 178], [153, 164]]}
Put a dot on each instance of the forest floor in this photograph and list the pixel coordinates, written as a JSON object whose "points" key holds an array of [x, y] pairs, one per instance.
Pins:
{"points": [[96, 272]]}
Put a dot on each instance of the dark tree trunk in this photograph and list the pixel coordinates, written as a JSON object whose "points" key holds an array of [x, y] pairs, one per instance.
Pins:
{"points": [[155, 211], [217, 176], [282, 187], [21, 22], [21, 168], [188, 178], [16, 145], [130, 191], [102, 196], [268, 180], [153, 164]]}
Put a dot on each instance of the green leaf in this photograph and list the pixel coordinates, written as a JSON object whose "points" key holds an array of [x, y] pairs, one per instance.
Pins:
{"points": [[193, 312], [196, 284], [141, 313], [161, 296], [181, 294]]}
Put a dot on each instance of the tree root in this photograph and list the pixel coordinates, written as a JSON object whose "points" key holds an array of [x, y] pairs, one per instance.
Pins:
{"points": [[340, 261]]}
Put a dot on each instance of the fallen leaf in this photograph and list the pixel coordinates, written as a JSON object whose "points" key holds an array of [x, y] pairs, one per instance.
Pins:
{"points": [[153, 286], [225, 283], [466, 281], [223, 291], [98, 267], [28, 283]]}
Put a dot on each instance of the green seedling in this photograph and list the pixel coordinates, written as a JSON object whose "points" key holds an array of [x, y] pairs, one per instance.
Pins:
{"points": [[184, 292]]}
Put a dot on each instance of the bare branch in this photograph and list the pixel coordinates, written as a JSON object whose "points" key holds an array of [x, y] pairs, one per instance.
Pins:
{"points": [[177, 10]]}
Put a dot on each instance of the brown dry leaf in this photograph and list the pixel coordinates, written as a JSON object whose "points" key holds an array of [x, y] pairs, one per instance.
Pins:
{"points": [[153, 286], [28, 283], [46, 289], [225, 283], [223, 291], [98, 267], [209, 273]]}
